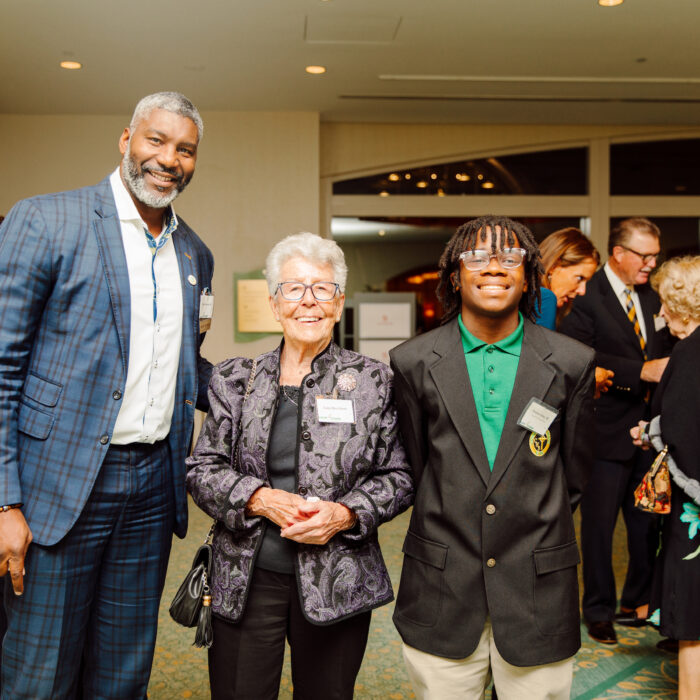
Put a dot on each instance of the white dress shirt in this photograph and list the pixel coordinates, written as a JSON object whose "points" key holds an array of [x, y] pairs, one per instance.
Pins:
{"points": [[619, 288], [154, 345]]}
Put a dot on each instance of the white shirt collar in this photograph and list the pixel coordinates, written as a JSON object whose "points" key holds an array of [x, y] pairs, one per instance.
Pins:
{"points": [[616, 283], [126, 209]]}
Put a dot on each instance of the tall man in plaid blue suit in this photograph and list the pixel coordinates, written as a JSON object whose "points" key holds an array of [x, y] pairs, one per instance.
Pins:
{"points": [[100, 373]]}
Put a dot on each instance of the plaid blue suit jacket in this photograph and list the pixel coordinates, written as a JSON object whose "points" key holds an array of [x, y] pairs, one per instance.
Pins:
{"points": [[64, 346]]}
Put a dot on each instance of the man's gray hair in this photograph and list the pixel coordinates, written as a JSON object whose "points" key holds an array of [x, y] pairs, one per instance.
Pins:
{"points": [[321, 251], [173, 102]]}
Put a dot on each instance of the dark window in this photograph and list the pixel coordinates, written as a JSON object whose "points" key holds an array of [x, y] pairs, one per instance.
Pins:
{"points": [[655, 168], [563, 172], [680, 235]]}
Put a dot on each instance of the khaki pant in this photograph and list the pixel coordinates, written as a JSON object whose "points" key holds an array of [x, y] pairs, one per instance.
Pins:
{"points": [[437, 678]]}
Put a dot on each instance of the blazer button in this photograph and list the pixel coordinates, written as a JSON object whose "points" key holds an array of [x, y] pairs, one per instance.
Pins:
{"points": [[310, 383], [491, 563], [303, 490], [306, 435], [117, 395], [490, 509], [104, 439]]}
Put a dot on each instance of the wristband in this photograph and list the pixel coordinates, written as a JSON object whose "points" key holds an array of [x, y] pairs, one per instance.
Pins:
{"points": [[10, 507]]}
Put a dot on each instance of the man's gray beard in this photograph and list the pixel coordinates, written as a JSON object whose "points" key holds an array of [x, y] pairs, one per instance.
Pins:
{"points": [[134, 180]]}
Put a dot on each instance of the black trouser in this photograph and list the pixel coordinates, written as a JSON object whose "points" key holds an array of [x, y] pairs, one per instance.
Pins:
{"points": [[609, 490], [245, 661]]}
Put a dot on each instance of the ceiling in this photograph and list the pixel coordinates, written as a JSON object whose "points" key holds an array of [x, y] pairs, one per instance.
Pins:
{"points": [[460, 61]]}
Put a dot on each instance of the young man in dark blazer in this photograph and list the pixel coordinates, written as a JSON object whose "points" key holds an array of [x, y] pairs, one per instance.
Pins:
{"points": [[496, 414], [617, 318]]}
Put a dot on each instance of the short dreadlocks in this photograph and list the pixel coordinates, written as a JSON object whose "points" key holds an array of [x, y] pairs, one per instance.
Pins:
{"points": [[466, 238]]}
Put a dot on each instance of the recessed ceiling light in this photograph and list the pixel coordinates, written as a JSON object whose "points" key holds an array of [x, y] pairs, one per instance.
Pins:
{"points": [[610, 3], [407, 176], [422, 184], [394, 177], [383, 193], [381, 232], [433, 176], [71, 65], [487, 185], [315, 70]]}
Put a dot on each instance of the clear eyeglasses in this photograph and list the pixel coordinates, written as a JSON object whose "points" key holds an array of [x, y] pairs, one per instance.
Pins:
{"points": [[294, 291], [508, 258]]}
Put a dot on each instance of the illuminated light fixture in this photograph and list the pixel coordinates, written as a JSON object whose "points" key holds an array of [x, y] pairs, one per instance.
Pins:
{"points": [[407, 176], [462, 177], [479, 177], [422, 184], [394, 177], [71, 65], [315, 70], [487, 185], [440, 192], [383, 193], [610, 3], [433, 176], [381, 232]]}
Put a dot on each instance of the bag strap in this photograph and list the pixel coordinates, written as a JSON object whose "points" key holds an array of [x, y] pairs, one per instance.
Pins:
{"points": [[248, 389]]}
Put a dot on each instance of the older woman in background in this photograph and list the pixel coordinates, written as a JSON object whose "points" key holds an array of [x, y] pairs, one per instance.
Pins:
{"points": [[319, 468], [569, 260], [677, 404]]}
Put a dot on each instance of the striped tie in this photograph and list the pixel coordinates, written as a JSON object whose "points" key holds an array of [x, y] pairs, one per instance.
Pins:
{"points": [[632, 316]]}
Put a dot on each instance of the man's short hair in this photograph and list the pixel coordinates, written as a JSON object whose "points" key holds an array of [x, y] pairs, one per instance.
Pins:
{"points": [[621, 233], [174, 102]]}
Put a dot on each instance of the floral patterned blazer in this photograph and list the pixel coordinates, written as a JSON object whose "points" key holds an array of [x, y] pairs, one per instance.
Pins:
{"points": [[362, 465]]}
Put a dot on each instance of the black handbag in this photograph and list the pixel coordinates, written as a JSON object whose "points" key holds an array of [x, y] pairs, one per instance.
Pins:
{"points": [[191, 606]]}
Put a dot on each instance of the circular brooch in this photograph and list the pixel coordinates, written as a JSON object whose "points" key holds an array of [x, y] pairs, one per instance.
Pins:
{"points": [[346, 382]]}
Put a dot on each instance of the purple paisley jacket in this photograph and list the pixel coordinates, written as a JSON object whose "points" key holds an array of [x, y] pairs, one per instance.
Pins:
{"points": [[362, 465]]}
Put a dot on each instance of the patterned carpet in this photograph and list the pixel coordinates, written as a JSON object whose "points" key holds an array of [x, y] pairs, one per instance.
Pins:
{"points": [[632, 669]]}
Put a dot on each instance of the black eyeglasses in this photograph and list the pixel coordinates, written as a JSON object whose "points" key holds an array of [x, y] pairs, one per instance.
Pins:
{"points": [[294, 291], [646, 257], [509, 258]]}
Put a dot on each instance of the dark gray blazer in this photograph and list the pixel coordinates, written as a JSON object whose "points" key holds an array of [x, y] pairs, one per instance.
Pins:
{"points": [[498, 543]]}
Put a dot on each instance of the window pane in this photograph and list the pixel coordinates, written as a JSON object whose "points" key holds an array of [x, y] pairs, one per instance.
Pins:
{"points": [[655, 168], [680, 235], [563, 172]]}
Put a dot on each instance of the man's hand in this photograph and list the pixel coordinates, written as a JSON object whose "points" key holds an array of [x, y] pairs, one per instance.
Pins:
{"points": [[15, 537], [323, 520], [603, 381], [638, 435], [279, 506], [653, 369]]}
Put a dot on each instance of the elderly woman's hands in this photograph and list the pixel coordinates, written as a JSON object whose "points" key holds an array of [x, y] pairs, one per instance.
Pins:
{"points": [[640, 436], [279, 506], [321, 521]]}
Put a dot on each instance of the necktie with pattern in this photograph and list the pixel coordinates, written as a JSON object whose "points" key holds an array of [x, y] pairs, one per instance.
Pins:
{"points": [[632, 316]]}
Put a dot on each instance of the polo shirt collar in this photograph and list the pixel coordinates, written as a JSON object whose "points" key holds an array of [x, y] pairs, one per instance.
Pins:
{"points": [[511, 344]]}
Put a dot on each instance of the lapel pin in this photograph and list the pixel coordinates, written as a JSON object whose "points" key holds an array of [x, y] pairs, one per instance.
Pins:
{"points": [[188, 256], [539, 444], [192, 280]]}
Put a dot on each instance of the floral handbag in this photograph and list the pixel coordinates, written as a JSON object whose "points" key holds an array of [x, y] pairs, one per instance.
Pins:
{"points": [[653, 494]]}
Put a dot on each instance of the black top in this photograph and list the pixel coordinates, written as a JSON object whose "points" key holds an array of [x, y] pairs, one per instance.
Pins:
{"points": [[276, 553]]}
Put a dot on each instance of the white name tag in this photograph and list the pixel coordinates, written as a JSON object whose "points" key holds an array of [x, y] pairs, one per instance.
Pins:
{"points": [[659, 323], [335, 410], [206, 305], [537, 416]]}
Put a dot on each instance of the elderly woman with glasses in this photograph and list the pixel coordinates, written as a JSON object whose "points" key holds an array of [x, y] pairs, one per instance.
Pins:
{"points": [[298, 475]]}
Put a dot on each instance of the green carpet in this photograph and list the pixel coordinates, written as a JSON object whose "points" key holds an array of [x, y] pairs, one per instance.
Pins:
{"points": [[631, 669]]}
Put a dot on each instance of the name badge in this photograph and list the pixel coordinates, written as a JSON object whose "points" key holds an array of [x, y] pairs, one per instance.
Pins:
{"points": [[335, 410], [537, 416], [659, 323], [206, 310]]}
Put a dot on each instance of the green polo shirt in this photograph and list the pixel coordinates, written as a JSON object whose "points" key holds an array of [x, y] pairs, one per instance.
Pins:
{"points": [[492, 370]]}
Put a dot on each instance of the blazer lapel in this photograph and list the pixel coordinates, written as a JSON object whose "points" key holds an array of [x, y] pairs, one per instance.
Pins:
{"points": [[111, 247], [533, 378], [452, 381], [190, 323]]}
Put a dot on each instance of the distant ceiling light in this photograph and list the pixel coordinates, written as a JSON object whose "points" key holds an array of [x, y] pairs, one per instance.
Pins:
{"points": [[383, 193], [433, 176], [610, 3], [315, 70], [394, 177], [71, 65], [422, 184], [440, 192], [487, 185], [407, 176], [463, 177], [381, 232], [479, 177]]}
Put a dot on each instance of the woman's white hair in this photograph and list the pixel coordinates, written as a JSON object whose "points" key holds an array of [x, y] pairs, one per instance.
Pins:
{"points": [[678, 283], [321, 251], [174, 102]]}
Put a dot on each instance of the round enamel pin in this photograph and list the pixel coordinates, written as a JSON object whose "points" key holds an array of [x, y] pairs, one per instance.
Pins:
{"points": [[539, 444], [192, 280], [346, 382]]}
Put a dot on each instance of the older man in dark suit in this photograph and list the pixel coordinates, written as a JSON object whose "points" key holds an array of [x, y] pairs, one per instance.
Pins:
{"points": [[617, 318], [496, 415], [100, 372]]}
